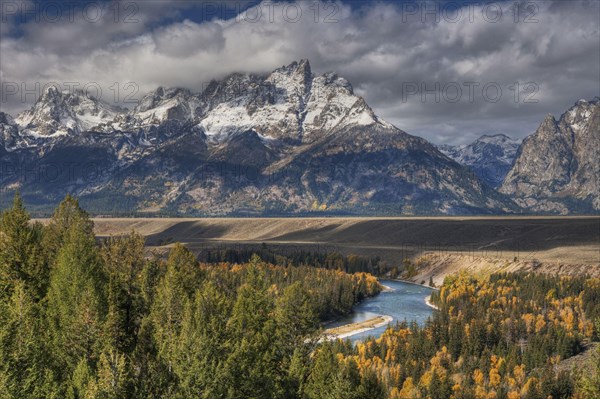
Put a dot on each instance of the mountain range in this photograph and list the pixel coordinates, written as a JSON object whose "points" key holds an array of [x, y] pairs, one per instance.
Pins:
{"points": [[490, 156], [284, 143]]}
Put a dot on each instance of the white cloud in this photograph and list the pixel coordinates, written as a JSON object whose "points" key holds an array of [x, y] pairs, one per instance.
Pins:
{"points": [[183, 40], [384, 50]]}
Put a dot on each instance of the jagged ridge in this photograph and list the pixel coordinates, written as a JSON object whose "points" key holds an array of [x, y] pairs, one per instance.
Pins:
{"points": [[557, 169], [285, 142]]}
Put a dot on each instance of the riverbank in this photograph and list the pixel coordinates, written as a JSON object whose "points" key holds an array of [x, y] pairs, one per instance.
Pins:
{"points": [[349, 330], [386, 288], [430, 304]]}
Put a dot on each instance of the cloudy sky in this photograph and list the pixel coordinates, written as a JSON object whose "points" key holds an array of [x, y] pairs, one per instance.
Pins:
{"points": [[448, 71]]}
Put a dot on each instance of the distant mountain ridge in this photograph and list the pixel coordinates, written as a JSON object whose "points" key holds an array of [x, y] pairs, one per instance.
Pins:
{"points": [[490, 156], [288, 142]]}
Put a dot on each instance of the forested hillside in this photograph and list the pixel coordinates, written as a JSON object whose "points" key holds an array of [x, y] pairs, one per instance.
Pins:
{"points": [[81, 320], [86, 319]]}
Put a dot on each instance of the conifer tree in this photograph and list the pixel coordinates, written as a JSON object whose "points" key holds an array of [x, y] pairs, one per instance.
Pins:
{"points": [[67, 214], [346, 384], [298, 372], [24, 369], [252, 368], [202, 343], [323, 373], [20, 252], [112, 380], [123, 260], [295, 316], [76, 297]]}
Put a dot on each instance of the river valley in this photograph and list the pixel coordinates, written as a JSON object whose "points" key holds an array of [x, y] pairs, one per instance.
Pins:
{"points": [[403, 301]]}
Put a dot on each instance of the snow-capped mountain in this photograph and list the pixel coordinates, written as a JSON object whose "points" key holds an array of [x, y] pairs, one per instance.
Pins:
{"points": [[62, 113], [557, 169], [290, 104], [286, 142], [490, 156]]}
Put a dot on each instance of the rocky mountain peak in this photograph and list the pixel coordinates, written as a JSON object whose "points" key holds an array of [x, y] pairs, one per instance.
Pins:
{"points": [[50, 92], [301, 67], [557, 167], [332, 79], [549, 120], [304, 66], [306, 138], [164, 104], [62, 112], [8, 132], [159, 96]]}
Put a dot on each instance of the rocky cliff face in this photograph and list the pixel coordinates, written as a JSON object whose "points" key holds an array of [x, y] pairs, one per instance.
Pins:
{"points": [[490, 156], [557, 169]]}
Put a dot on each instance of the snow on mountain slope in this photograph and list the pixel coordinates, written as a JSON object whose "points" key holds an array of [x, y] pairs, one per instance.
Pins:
{"points": [[290, 104], [164, 104], [59, 113]]}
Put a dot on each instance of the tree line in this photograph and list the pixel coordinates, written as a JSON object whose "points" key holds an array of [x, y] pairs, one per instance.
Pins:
{"points": [[325, 258]]}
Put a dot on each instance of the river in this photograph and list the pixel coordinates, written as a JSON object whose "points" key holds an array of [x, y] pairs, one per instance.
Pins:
{"points": [[405, 302]]}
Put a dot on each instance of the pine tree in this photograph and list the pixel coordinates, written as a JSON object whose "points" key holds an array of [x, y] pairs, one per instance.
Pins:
{"points": [[76, 298], [150, 276], [20, 253], [24, 369], [252, 369], [123, 260], [323, 373], [67, 214], [112, 380], [346, 383], [588, 378], [80, 380], [297, 373], [185, 269], [201, 345], [152, 377], [370, 386], [296, 317]]}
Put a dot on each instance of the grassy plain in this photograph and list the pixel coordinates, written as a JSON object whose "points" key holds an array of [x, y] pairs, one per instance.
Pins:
{"points": [[443, 245]]}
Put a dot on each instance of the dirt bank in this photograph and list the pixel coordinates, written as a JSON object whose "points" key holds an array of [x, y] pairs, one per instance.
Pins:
{"points": [[440, 265], [349, 330]]}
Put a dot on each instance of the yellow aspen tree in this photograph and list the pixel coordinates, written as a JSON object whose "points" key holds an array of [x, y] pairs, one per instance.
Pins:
{"points": [[409, 390]]}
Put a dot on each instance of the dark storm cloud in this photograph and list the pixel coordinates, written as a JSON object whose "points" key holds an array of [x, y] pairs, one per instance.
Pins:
{"points": [[446, 73]]}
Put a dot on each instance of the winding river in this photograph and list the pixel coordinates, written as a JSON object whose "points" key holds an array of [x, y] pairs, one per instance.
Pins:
{"points": [[404, 301]]}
